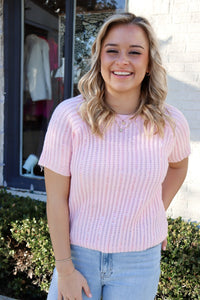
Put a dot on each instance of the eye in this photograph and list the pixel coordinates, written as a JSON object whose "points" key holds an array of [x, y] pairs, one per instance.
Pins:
{"points": [[112, 51], [135, 53]]}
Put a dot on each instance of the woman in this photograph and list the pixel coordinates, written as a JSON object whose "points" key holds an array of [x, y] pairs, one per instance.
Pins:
{"points": [[114, 158]]}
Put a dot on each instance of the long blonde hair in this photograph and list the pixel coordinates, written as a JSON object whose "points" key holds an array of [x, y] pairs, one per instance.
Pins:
{"points": [[96, 112]]}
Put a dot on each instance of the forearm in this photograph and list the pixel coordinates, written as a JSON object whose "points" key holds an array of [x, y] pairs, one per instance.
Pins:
{"points": [[173, 181], [58, 221]]}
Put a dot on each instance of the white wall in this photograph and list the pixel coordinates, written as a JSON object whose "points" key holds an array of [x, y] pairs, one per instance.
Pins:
{"points": [[177, 25], [1, 93]]}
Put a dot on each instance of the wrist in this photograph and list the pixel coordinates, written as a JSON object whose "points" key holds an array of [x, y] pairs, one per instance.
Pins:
{"points": [[65, 268], [63, 260]]}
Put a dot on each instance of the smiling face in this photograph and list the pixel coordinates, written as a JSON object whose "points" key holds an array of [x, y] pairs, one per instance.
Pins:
{"points": [[124, 59]]}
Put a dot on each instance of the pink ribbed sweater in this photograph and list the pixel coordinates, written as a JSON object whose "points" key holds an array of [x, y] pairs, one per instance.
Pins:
{"points": [[116, 182]]}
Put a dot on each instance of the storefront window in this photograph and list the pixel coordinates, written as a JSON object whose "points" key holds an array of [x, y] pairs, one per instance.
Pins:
{"points": [[43, 73]]}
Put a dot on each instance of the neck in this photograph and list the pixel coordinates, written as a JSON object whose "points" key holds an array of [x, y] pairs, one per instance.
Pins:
{"points": [[122, 103]]}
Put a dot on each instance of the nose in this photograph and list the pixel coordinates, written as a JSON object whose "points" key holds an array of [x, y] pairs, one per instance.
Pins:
{"points": [[123, 59]]}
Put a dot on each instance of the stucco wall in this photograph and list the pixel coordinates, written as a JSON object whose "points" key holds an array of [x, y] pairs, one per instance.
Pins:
{"points": [[1, 93], [177, 24]]}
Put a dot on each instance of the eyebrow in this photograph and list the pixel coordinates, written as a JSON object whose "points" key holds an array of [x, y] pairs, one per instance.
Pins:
{"points": [[131, 46], [137, 46]]}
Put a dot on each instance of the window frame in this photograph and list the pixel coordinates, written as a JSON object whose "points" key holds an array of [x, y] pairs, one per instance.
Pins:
{"points": [[13, 35]]}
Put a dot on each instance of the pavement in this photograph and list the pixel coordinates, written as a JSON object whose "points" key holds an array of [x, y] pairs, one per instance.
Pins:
{"points": [[6, 298]]}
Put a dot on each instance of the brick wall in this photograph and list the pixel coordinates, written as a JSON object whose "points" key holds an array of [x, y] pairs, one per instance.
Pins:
{"points": [[1, 93], [177, 24]]}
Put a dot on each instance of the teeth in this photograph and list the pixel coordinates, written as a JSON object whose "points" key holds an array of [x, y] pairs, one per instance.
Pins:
{"points": [[122, 73]]}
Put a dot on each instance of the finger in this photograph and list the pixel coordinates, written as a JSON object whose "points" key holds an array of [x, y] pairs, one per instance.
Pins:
{"points": [[87, 289], [79, 298], [60, 296], [164, 244]]}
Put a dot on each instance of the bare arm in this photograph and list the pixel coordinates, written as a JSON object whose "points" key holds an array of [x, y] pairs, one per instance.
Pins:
{"points": [[174, 179], [70, 281]]}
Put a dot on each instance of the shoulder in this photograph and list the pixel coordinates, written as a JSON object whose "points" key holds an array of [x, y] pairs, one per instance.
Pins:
{"points": [[173, 112], [66, 116], [180, 121], [68, 108], [176, 115]]}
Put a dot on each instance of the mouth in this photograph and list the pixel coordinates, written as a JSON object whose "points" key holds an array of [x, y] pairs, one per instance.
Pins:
{"points": [[122, 73]]}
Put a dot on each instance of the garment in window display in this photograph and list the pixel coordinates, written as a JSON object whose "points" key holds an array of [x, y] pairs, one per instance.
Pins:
{"points": [[37, 68], [53, 54]]}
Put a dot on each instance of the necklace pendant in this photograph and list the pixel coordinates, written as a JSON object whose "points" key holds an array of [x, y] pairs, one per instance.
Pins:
{"points": [[120, 129]]}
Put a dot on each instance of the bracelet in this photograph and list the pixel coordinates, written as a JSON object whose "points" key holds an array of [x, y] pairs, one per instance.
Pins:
{"points": [[61, 260]]}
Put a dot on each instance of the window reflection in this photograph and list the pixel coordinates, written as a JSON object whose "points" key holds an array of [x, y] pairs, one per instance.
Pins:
{"points": [[44, 26]]}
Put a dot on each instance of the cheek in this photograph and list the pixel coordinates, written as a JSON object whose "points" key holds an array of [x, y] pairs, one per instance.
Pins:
{"points": [[105, 60], [143, 65]]}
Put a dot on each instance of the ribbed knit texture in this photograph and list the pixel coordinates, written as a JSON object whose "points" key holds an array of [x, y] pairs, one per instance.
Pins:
{"points": [[116, 182]]}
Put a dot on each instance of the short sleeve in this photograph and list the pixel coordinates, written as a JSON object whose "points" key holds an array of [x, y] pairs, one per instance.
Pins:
{"points": [[181, 146], [57, 148]]}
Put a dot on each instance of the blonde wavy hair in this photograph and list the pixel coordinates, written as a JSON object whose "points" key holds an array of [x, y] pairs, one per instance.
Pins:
{"points": [[97, 113]]}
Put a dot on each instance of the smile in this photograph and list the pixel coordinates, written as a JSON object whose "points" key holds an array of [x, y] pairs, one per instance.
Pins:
{"points": [[122, 73]]}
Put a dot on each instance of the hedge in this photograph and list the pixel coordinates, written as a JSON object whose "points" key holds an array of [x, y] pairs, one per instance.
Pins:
{"points": [[26, 255]]}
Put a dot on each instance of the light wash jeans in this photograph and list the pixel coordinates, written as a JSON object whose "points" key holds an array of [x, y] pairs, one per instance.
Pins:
{"points": [[116, 276]]}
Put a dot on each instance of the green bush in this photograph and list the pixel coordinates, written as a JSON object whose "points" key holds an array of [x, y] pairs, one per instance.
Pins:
{"points": [[26, 256], [180, 264]]}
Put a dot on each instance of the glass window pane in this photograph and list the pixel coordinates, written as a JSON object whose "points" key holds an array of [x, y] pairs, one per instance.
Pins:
{"points": [[43, 86], [90, 15]]}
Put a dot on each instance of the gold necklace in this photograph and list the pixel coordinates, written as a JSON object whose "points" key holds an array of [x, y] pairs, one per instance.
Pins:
{"points": [[124, 124]]}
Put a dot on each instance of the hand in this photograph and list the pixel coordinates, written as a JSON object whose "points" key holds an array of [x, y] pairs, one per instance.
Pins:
{"points": [[164, 244], [70, 286]]}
